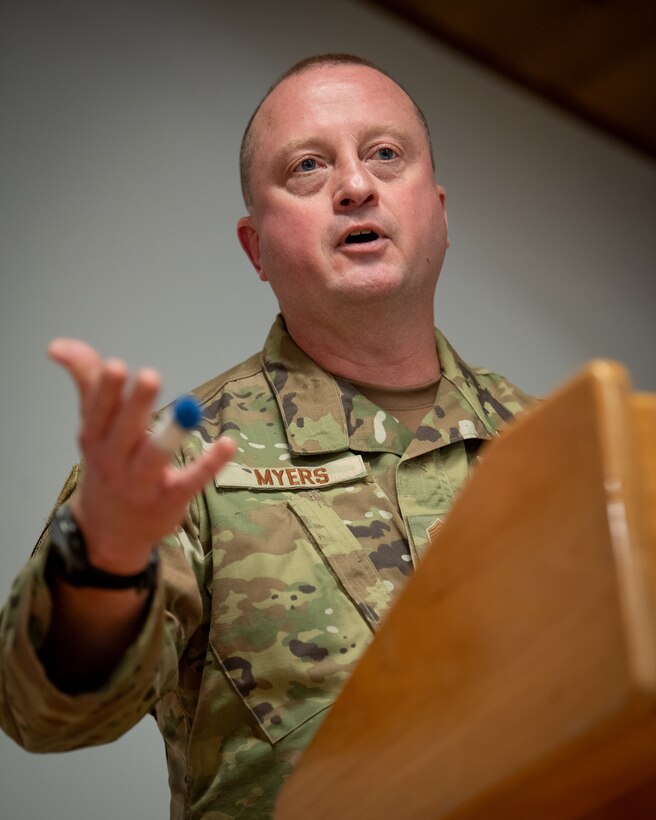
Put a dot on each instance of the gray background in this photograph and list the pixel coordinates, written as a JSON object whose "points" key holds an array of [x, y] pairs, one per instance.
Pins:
{"points": [[118, 200]]}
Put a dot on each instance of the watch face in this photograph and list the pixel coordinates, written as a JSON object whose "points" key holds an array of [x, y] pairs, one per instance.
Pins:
{"points": [[68, 541]]}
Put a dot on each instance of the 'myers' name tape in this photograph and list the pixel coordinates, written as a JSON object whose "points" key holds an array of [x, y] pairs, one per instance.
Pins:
{"points": [[349, 468]]}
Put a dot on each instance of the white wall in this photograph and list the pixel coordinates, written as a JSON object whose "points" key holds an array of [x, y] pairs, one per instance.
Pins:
{"points": [[119, 194]]}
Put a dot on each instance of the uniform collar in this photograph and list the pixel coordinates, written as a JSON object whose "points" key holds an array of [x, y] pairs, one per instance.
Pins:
{"points": [[322, 414]]}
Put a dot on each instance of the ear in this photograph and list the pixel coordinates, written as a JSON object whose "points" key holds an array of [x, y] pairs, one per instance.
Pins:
{"points": [[442, 195], [250, 242]]}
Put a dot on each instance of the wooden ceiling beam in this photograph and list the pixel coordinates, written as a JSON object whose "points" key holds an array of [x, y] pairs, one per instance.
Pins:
{"points": [[593, 58]]}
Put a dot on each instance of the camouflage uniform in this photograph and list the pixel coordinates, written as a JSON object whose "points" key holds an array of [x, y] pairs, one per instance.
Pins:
{"points": [[274, 584]]}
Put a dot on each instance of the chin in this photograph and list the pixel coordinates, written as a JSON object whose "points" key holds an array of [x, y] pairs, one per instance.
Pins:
{"points": [[364, 285]]}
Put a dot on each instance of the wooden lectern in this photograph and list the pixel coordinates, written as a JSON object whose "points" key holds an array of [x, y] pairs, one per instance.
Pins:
{"points": [[515, 677]]}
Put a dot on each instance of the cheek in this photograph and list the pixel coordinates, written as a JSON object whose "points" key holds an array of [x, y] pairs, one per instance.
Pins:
{"points": [[424, 227], [289, 234], [429, 219]]}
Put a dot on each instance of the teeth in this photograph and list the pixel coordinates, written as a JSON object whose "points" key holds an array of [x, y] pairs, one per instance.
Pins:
{"points": [[361, 236]]}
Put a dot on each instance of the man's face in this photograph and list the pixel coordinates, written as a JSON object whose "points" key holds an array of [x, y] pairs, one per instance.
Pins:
{"points": [[344, 204]]}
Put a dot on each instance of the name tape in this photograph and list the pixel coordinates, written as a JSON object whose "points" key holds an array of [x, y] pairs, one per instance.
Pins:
{"points": [[349, 468]]}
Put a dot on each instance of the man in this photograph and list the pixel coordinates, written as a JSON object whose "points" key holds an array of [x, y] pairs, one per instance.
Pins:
{"points": [[336, 451]]}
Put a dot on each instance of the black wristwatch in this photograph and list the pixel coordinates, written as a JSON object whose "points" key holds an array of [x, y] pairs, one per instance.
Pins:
{"points": [[68, 559]]}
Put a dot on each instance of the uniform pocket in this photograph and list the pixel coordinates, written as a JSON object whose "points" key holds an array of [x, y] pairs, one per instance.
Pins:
{"points": [[344, 554], [287, 627]]}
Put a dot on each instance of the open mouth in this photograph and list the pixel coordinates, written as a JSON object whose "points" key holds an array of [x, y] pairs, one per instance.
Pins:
{"points": [[360, 237]]}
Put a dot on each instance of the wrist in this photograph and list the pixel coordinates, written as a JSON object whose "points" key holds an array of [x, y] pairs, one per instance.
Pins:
{"points": [[69, 559]]}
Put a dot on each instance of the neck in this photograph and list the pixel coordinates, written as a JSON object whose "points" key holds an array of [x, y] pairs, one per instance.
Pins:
{"points": [[394, 351]]}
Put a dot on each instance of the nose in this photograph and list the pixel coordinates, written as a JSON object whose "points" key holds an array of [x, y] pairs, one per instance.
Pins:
{"points": [[354, 186]]}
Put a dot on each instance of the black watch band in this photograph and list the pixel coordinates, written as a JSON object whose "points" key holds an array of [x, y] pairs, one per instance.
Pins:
{"points": [[68, 559]]}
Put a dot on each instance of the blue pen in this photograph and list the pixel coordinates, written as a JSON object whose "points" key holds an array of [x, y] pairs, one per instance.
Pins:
{"points": [[175, 424]]}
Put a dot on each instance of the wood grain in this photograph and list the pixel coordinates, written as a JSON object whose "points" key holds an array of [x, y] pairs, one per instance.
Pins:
{"points": [[515, 676]]}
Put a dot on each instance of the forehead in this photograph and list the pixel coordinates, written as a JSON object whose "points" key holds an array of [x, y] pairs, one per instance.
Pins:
{"points": [[331, 96]]}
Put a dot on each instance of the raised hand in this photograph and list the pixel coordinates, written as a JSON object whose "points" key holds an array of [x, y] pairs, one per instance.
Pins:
{"points": [[130, 496]]}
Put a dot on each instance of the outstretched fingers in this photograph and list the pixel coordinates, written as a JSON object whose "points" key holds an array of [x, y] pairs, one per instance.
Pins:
{"points": [[128, 432], [103, 400], [131, 496], [114, 414]]}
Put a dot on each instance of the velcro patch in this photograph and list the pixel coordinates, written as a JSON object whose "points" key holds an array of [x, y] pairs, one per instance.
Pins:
{"points": [[349, 468]]}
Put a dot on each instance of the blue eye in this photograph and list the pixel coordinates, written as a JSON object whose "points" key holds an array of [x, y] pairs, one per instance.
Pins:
{"points": [[307, 164], [386, 153]]}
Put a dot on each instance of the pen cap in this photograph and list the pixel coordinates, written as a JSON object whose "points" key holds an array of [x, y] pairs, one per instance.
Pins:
{"points": [[186, 412]]}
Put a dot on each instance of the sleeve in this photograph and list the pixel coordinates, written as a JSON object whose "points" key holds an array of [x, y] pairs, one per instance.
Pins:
{"points": [[42, 718]]}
